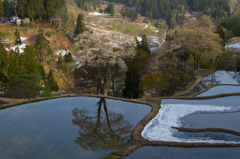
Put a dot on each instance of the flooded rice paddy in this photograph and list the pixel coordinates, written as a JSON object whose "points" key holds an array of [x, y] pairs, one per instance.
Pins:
{"points": [[73, 127]]}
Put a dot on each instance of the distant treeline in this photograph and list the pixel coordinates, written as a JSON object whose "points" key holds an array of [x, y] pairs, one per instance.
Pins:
{"points": [[33, 9], [218, 9]]}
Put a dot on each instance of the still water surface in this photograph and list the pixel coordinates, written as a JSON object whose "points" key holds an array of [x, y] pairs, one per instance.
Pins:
{"points": [[73, 127], [160, 152], [217, 78]]}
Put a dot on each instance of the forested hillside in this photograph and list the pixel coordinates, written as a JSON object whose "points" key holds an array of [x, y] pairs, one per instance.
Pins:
{"points": [[164, 8]]}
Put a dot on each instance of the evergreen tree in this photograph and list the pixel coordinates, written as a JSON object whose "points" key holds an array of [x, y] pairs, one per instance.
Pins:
{"points": [[1, 10], [132, 81], [22, 84], [31, 10], [17, 38], [221, 33], [8, 8], [3, 62], [51, 83], [13, 62], [111, 12], [30, 63], [68, 57], [144, 44], [43, 49], [41, 71], [133, 75], [138, 44], [50, 8], [80, 27], [39, 9], [22, 8]]}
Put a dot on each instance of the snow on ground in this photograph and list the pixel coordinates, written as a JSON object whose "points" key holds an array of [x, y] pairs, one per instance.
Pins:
{"points": [[21, 48], [139, 39], [96, 14], [23, 38], [62, 52], [233, 46], [170, 115]]}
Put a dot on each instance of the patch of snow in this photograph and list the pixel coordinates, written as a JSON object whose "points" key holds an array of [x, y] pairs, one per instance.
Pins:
{"points": [[170, 115], [96, 14], [21, 48], [62, 52], [139, 39], [23, 38]]}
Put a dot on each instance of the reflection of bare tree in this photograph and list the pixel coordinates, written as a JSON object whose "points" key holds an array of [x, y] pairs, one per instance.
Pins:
{"points": [[216, 78], [107, 130], [207, 82]]}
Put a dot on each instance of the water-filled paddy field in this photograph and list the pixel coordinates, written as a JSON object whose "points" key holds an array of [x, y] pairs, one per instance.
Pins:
{"points": [[89, 127], [210, 120], [155, 152], [218, 78], [74, 127]]}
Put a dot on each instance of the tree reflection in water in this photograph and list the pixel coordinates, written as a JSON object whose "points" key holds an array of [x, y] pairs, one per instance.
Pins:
{"points": [[107, 130], [217, 78]]}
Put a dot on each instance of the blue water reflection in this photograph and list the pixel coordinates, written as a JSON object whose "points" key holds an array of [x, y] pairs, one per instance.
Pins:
{"points": [[51, 130]]}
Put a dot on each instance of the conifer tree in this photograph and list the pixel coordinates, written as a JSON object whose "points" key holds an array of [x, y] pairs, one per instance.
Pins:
{"points": [[133, 75], [111, 12], [31, 10], [13, 62], [80, 27], [138, 43], [17, 38], [8, 8], [22, 8], [22, 84], [42, 46], [50, 8], [30, 63], [51, 83], [39, 9], [144, 44], [68, 57], [1, 10], [3, 63]]}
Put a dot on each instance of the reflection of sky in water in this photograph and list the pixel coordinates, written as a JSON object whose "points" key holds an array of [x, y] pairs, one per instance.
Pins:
{"points": [[45, 129], [219, 77], [221, 89], [208, 136], [227, 101], [154, 152], [225, 121]]}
